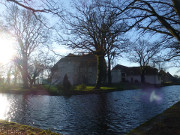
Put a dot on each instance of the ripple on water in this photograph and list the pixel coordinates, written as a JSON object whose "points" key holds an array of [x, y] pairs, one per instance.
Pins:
{"points": [[93, 114]]}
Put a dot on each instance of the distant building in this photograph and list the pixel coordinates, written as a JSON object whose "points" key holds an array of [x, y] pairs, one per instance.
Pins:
{"points": [[122, 73], [80, 69], [167, 77]]}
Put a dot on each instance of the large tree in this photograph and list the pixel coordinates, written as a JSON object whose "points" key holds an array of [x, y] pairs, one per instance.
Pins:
{"points": [[95, 29], [30, 34], [156, 16], [160, 17]]}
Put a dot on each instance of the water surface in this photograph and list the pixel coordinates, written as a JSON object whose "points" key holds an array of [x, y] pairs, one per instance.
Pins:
{"points": [[93, 114]]}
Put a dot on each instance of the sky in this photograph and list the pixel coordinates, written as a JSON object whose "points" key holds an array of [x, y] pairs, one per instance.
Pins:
{"points": [[7, 48]]}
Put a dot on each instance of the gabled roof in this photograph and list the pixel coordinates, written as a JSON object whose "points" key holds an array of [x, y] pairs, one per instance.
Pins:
{"points": [[120, 67], [73, 57], [90, 59], [136, 70], [166, 77]]}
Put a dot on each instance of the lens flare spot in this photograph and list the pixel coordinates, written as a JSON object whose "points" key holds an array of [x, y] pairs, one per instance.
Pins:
{"points": [[154, 97]]}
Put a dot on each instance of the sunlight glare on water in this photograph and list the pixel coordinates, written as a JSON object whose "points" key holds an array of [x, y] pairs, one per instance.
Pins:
{"points": [[4, 107]]}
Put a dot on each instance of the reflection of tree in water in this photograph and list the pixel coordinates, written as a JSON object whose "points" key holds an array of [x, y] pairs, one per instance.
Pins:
{"points": [[18, 109], [103, 119], [27, 109]]}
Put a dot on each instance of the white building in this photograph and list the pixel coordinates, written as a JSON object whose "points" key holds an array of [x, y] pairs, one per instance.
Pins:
{"points": [[122, 73], [80, 69]]}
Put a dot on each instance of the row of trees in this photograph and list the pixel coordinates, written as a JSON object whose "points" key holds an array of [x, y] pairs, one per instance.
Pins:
{"points": [[32, 38], [98, 27]]}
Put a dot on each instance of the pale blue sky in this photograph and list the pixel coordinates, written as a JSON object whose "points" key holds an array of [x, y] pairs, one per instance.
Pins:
{"points": [[133, 35]]}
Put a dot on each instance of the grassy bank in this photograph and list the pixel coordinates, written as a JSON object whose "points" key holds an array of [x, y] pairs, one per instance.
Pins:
{"points": [[166, 123], [120, 86], [12, 128], [74, 90]]}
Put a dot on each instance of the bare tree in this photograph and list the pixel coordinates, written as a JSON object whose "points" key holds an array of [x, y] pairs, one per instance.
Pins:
{"points": [[116, 47], [95, 29], [158, 17], [15, 71], [41, 6], [30, 34], [35, 68], [153, 15], [5, 75], [39, 67], [9, 73], [143, 53]]}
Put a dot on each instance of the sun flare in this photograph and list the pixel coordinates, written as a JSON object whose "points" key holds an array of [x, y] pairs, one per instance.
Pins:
{"points": [[6, 49]]}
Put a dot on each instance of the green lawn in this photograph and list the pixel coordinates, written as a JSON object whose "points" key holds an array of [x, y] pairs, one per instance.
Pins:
{"points": [[121, 86], [58, 90]]}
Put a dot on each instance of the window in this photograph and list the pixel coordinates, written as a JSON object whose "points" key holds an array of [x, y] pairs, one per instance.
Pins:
{"points": [[123, 74]]}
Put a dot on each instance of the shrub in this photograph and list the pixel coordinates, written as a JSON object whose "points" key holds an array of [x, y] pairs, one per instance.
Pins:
{"points": [[66, 84], [81, 87]]}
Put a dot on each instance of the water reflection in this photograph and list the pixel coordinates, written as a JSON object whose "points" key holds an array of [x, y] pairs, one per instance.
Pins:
{"points": [[94, 114], [102, 120], [4, 106]]}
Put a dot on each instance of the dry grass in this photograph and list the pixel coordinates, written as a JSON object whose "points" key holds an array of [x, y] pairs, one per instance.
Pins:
{"points": [[12, 128]]}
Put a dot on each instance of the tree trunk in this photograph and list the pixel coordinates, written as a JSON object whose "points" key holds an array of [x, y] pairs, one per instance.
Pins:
{"points": [[142, 76], [176, 4], [25, 72], [8, 78], [100, 70], [31, 83], [15, 79], [109, 72]]}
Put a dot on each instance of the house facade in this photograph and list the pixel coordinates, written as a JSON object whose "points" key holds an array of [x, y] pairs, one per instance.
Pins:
{"points": [[122, 73], [80, 69]]}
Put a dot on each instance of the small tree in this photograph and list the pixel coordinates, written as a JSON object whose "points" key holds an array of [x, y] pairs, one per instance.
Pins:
{"points": [[66, 84], [35, 69]]}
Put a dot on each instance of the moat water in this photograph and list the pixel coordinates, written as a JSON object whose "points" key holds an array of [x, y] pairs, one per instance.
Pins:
{"points": [[113, 113]]}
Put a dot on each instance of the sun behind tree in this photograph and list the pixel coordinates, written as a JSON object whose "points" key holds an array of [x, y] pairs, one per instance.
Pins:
{"points": [[7, 52]]}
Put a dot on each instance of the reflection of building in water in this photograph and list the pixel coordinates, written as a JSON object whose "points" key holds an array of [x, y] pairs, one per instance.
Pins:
{"points": [[79, 69]]}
